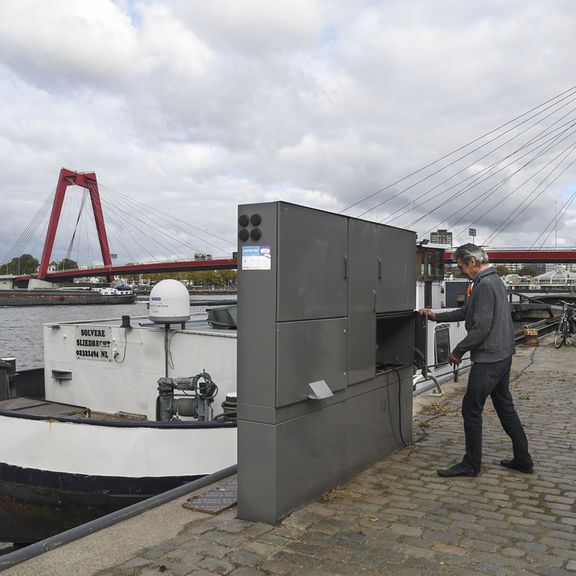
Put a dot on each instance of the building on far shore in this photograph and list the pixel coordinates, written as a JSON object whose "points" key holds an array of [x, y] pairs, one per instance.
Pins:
{"points": [[441, 237]]}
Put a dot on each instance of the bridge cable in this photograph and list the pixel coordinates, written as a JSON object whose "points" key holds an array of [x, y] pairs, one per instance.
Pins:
{"points": [[131, 226], [169, 218], [82, 204], [486, 194], [161, 230], [566, 152], [476, 177], [31, 229], [559, 97], [542, 133], [553, 221], [515, 216], [130, 221]]}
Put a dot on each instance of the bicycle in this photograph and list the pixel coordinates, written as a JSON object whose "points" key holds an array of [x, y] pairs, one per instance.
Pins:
{"points": [[567, 325]]}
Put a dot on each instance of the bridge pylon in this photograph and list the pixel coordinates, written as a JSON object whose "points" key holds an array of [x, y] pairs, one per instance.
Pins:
{"points": [[85, 180]]}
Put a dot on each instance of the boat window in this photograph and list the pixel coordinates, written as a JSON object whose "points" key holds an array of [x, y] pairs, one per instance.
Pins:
{"points": [[441, 344]]}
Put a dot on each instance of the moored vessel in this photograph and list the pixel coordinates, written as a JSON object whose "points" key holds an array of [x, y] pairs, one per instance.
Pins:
{"points": [[76, 296], [123, 410]]}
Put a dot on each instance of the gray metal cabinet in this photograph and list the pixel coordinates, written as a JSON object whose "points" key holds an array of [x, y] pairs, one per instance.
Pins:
{"points": [[322, 297], [362, 300], [309, 351], [396, 254], [313, 252]]}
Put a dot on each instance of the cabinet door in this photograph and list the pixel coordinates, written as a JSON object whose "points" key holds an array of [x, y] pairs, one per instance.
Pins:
{"points": [[396, 284], [362, 301], [313, 264]]}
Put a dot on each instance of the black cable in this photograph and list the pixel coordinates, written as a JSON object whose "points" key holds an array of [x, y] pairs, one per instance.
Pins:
{"points": [[400, 411]]}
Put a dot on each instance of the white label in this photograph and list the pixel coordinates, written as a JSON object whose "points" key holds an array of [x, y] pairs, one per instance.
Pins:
{"points": [[256, 258], [93, 343]]}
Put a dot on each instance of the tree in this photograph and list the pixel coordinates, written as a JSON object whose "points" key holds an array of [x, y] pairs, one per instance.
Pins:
{"points": [[24, 264], [502, 270], [528, 271], [65, 264]]}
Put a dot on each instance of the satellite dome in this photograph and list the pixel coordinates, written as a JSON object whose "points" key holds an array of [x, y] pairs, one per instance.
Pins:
{"points": [[169, 303]]}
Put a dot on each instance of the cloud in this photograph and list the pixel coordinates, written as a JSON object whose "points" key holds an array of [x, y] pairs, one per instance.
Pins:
{"points": [[69, 41], [194, 107]]}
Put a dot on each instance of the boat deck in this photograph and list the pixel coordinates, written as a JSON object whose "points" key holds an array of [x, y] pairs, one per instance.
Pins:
{"points": [[40, 407]]}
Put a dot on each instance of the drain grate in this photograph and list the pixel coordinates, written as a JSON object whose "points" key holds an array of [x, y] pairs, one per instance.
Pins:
{"points": [[214, 501]]}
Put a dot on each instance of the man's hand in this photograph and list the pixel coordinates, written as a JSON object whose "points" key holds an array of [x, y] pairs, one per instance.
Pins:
{"points": [[454, 359], [428, 313]]}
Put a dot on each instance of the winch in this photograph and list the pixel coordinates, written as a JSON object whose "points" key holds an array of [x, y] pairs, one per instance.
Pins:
{"points": [[190, 396]]}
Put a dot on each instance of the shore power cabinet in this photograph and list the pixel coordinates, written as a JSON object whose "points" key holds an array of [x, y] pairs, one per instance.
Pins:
{"points": [[325, 352]]}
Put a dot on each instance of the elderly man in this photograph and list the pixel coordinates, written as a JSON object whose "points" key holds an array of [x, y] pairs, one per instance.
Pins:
{"points": [[490, 341]]}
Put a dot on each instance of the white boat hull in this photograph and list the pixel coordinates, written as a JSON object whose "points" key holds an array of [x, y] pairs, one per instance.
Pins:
{"points": [[92, 444], [73, 472]]}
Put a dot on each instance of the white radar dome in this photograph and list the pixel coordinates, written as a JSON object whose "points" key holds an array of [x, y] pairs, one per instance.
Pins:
{"points": [[169, 302]]}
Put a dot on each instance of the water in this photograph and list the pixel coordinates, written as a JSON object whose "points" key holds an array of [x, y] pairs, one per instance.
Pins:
{"points": [[21, 327]]}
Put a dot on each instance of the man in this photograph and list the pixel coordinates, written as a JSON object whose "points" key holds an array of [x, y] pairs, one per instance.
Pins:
{"points": [[490, 341]]}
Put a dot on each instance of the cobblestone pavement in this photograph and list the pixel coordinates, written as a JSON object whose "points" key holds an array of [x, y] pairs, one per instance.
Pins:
{"points": [[400, 518]]}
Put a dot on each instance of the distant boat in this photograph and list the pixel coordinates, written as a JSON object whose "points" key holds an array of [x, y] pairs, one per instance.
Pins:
{"points": [[63, 296]]}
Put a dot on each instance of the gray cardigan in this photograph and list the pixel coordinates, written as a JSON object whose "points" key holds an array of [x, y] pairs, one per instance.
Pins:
{"points": [[489, 324]]}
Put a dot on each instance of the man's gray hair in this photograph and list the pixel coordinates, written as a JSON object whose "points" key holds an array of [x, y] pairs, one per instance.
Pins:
{"points": [[468, 251]]}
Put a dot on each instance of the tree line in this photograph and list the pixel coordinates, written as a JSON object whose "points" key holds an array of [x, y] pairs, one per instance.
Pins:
{"points": [[27, 264]]}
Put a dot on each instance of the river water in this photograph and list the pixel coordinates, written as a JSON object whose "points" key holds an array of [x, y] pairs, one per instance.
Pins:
{"points": [[21, 327]]}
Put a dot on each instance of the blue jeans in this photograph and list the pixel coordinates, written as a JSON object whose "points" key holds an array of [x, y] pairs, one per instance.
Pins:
{"points": [[491, 379]]}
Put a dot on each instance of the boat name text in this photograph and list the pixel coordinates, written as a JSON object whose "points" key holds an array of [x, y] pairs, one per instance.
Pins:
{"points": [[92, 332], [94, 343]]}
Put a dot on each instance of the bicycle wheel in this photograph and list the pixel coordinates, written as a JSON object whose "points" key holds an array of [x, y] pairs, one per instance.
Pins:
{"points": [[561, 334]]}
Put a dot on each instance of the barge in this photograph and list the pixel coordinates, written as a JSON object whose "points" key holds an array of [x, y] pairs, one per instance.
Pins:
{"points": [[39, 297]]}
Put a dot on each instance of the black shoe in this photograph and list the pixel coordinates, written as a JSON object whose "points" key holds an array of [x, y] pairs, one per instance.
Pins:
{"points": [[460, 469], [515, 466]]}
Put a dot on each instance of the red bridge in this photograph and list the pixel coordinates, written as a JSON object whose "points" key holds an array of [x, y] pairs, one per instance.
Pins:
{"points": [[89, 182], [150, 268], [526, 256]]}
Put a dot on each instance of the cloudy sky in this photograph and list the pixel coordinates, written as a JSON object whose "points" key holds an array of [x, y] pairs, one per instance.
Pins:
{"points": [[194, 107]]}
